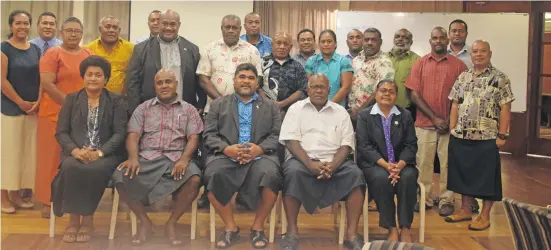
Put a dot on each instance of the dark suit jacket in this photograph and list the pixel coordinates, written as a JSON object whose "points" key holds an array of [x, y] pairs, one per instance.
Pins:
{"points": [[370, 138], [222, 127], [72, 128], [146, 62]]}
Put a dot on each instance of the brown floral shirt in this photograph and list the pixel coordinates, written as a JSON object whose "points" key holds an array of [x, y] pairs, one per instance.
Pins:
{"points": [[480, 99]]}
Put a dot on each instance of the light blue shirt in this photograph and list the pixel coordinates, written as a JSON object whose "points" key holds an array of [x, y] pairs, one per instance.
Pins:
{"points": [[40, 43], [264, 44], [463, 55], [332, 69]]}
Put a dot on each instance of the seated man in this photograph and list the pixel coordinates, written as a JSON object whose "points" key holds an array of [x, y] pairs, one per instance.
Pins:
{"points": [[319, 135], [162, 139], [240, 136], [386, 154]]}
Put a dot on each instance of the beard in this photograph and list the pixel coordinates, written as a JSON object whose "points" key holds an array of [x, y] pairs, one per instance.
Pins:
{"points": [[401, 49]]}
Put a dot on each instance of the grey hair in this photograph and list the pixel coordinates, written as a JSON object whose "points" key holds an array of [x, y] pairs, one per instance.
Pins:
{"points": [[108, 17], [408, 33], [317, 76], [230, 17]]}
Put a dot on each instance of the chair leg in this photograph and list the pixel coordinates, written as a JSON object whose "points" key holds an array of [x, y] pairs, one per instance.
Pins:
{"points": [[52, 220], [342, 223], [283, 217], [212, 214], [134, 223], [366, 216], [194, 213], [273, 220], [334, 211], [114, 212], [422, 213]]}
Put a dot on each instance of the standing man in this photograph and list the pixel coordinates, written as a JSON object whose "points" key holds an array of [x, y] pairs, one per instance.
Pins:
{"points": [[458, 32], [354, 41], [480, 116], [253, 36], [402, 59], [46, 27], [370, 67], [284, 78], [166, 51], [116, 50], [220, 59], [153, 24], [306, 46], [241, 136], [430, 83]]}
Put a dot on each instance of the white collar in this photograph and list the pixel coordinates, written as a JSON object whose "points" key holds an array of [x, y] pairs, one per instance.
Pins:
{"points": [[376, 110]]}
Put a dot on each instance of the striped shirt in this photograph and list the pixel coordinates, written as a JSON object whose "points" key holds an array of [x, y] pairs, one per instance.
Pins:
{"points": [[433, 80]]}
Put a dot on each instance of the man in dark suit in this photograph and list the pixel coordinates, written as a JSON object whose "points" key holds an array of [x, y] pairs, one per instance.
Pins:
{"points": [[386, 148], [170, 51], [241, 136]]}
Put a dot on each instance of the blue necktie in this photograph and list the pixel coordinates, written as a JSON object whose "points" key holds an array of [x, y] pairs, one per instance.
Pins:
{"points": [[45, 48]]}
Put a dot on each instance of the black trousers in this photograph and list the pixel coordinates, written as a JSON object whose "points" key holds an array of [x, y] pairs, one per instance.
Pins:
{"points": [[383, 193]]}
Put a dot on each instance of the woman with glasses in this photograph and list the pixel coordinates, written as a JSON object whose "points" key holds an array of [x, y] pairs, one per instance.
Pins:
{"points": [[59, 76], [335, 66], [386, 148], [20, 98]]}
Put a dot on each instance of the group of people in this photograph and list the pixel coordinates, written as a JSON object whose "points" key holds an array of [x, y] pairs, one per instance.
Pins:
{"points": [[241, 115]]}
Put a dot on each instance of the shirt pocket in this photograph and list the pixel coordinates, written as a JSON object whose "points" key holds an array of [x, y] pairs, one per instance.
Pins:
{"points": [[182, 121], [334, 134]]}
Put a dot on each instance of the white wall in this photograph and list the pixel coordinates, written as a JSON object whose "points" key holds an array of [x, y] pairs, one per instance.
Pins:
{"points": [[200, 19], [507, 34]]}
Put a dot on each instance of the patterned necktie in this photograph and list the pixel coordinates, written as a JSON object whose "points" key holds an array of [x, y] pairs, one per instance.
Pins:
{"points": [[45, 48]]}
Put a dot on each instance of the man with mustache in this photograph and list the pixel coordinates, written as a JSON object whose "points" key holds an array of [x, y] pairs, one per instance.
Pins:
{"points": [[370, 67], [116, 50], [306, 46], [480, 116], [354, 41], [402, 59], [253, 36], [458, 31], [46, 27], [430, 82], [241, 138], [166, 51], [153, 24]]}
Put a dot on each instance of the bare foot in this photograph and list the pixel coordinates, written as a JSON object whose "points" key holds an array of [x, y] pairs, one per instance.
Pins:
{"points": [[405, 235], [144, 232], [18, 201], [392, 234], [170, 233]]}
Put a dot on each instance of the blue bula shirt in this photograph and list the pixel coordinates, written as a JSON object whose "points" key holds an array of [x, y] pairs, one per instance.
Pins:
{"points": [[245, 111], [264, 44], [332, 69]]}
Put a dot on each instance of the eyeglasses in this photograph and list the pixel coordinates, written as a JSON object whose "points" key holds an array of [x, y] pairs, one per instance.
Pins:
{"points": [[76, 32], [385, 91]]}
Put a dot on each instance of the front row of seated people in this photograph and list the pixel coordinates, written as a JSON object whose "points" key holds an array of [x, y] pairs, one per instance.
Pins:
{"points": [[242, 134]]}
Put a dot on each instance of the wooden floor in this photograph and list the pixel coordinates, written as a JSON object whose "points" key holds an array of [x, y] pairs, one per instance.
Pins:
{"points": [[524, 179]]}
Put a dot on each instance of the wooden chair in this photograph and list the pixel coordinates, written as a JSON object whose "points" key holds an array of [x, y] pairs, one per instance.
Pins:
{"points": [[530, 225], [272, 220]]}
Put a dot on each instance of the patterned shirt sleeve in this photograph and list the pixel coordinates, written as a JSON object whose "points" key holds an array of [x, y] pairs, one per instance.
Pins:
{"points": [[256, 60], [456, 89], [505, 94], [386, 71], [204, 67], [346, 65], [195, 125], [301, 83], [136, 123]]}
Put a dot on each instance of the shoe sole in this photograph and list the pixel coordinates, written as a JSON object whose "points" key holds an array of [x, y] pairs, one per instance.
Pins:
{"points": [[478, 229], [456, 221]]}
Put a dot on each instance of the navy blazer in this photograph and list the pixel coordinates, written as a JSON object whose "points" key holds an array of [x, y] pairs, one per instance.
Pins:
{"points": [[370, 138]]}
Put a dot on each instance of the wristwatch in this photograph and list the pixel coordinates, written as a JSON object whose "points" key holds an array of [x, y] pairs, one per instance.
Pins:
{"points": [[100, 154], [502, 136]]}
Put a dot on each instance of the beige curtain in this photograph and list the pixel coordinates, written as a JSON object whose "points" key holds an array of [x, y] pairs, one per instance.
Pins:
{"points": [[94, 11], [62, 9], [407, 6], [295, 16]]}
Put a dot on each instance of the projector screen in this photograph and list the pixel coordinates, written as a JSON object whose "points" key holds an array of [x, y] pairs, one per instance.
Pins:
{"points": [[507, 34], [200, 19]]}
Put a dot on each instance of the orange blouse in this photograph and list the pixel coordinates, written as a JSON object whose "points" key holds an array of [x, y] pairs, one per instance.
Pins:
{"points": [[66, 67]]}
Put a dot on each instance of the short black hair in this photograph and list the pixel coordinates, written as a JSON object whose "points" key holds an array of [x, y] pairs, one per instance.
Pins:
{"points": [[459, 21], [14, 13], [381, 82], [246, 67], [96, 61], [72, 19], [373, 30], [306, 30], [331, 32], [47, 13]]}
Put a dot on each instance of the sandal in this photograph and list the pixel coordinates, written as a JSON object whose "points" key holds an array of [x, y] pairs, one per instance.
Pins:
{"points": [[83, 234], [227, 238], [70, 235], [258, 237], [288, 242], [356, 244]]}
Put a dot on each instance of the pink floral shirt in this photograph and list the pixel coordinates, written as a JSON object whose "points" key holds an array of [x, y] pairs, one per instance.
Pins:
{"points": [[367, 73]]}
